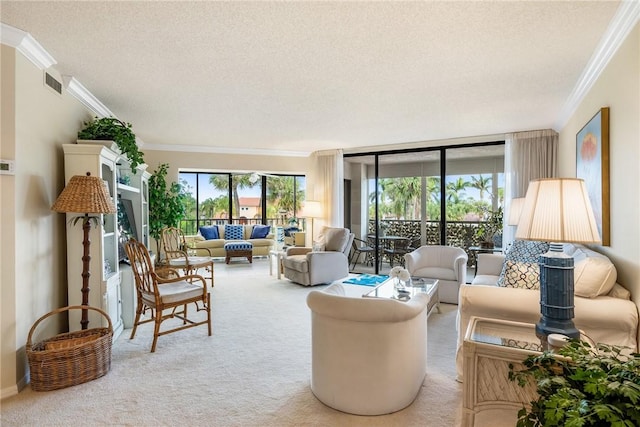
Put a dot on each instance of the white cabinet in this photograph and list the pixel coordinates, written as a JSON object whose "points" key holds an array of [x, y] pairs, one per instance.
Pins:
{"points": [[105, 251]]}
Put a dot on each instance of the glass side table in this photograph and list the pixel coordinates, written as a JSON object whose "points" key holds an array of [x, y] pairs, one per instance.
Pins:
{"points": [[418, 285], [490, 345]]}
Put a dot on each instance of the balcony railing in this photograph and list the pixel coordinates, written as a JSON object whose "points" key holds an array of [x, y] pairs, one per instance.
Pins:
{"points": [[459, 233]]}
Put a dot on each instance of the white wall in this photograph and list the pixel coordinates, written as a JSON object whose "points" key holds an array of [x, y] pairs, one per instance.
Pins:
{"points": [[34, 282], [619, 89]]}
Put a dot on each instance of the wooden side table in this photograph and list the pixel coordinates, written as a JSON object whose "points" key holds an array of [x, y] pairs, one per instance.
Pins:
{"points": [[490, 345]]}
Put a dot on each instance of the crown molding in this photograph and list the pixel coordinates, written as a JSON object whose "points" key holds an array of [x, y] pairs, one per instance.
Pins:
{"points": [[24, 43], [225, 150], [82, 94], [621, 25]]}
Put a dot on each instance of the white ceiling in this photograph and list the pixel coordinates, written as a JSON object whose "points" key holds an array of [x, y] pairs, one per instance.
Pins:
{"points": [[306, 76]]}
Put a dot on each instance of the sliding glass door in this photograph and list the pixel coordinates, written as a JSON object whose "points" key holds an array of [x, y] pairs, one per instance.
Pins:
{"points": [[435, 196]]}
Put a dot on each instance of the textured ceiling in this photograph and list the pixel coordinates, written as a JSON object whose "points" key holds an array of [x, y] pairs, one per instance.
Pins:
{"points": [[306, 76]]}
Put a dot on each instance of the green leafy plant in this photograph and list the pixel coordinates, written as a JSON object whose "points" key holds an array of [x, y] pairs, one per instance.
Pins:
{"points": [[491, 226], [580, 386], [113, 129], [166, 203]]}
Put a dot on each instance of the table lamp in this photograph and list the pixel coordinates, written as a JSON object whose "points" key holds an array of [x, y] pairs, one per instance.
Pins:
{"points": [[86, 195], [557, 210]]}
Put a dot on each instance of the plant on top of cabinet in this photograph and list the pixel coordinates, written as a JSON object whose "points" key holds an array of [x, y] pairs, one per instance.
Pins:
{"points": [[113, 129]]}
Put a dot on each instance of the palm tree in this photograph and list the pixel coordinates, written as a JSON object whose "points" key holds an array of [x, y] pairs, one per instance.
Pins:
{"points": [[221, 204], [433, 197], [280, 194], [455, 190], [481, 184], [208, 208], [238, 182], [402, 192]]}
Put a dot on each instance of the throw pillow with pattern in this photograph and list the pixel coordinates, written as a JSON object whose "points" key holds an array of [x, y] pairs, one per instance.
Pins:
{"points": [[527, 252], [524, 275], [233, 232]]}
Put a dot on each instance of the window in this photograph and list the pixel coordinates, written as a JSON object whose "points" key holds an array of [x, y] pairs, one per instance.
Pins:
{"points": [[240, 198]]}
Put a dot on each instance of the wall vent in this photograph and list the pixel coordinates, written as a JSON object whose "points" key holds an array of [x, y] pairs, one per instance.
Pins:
{"points": [[53, 83]]}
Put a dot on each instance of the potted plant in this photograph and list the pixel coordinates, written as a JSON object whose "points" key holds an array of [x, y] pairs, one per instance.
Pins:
{"points": [[488, 229], [113, 129], [580, 385], [166, 203]]}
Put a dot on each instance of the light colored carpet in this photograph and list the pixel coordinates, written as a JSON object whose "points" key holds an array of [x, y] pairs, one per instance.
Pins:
{"points": [[253, 371]]}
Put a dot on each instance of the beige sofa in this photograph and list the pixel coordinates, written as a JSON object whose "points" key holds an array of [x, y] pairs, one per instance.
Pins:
{"points": [[603, 309], [261, 247]]}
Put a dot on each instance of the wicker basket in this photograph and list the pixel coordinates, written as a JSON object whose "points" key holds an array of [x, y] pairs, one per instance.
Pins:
{"points": [[70, 358]]}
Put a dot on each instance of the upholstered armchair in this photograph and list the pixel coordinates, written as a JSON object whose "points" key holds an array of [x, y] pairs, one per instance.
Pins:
{"points": [[327, 263], [368, 355], [448, 264]]}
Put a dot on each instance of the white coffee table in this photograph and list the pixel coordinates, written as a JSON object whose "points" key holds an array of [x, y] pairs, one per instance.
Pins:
{"points": [[418, 285]]}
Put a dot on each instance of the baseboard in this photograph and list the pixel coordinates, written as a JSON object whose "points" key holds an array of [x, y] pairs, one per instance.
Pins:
{"points": [[8, 392], [15, 389]]}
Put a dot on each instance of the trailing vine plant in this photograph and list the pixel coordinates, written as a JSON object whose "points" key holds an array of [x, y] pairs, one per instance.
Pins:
{"points": [[113, 129]]}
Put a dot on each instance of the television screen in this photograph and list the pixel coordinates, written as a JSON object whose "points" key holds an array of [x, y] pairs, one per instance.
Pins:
{"points": [[126, 226]]}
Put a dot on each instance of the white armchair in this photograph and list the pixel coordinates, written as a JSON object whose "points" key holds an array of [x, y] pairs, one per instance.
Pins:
{"points": [[448, 264], [329, 263], [369, 355]]}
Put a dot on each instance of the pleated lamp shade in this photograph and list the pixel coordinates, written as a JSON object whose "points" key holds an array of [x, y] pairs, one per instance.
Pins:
{"points": [[85, 194], [557, 210]]}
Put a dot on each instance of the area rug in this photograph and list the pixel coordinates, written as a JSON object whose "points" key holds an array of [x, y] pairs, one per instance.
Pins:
{"points": [[366, 279]]}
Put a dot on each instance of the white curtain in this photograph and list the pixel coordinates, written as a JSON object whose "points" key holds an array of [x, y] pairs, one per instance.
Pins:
{"points": [[527, 155], [325, 183]]}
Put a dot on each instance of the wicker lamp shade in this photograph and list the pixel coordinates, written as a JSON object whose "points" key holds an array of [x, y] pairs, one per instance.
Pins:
{"points": [[85, 194]]}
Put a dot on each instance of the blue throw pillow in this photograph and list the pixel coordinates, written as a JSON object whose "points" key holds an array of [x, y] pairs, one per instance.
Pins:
{"points": [[260, 231], [233, 232], [210, 232]]}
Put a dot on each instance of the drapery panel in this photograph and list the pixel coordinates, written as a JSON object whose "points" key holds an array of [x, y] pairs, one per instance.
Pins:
{"points": [[528, 155], [327, 186]]}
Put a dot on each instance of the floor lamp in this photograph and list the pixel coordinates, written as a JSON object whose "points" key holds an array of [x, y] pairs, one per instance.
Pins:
{"points": [[86, 195], [311, 209], [557, 210]]}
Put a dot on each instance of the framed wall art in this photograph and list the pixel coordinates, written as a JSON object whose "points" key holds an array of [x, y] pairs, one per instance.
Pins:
{"points": [[592, 165]]}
